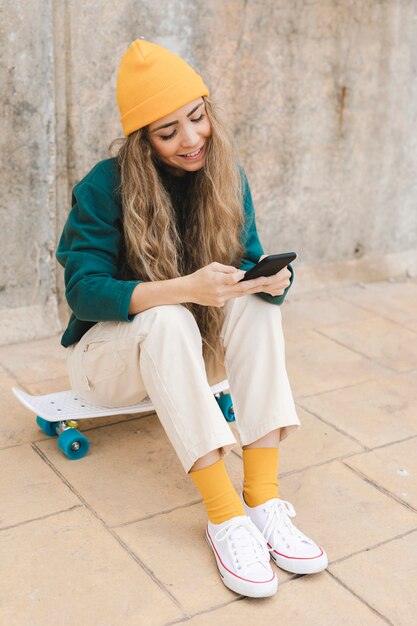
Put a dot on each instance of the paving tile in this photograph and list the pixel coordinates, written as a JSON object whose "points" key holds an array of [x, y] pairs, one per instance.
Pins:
{"points": [[395, 300], [317, 310], [29, 488], [316, 364], [375, 412], [315, 442], [393, 467], [173, 546], [131, 471], [385, 342], [7, 381], [33, 361], [68, 569], [51, 385], [89, 424], [309, 601], [18, 424], [385, 578], [412, 325], [341, 511]]}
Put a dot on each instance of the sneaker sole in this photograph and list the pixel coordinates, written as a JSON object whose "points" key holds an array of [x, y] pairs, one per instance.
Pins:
{"points": [[300, 566], [242, 587]]}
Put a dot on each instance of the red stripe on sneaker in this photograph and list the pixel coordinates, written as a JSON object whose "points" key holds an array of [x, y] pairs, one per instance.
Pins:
{"points": [[296, 558], [259, 582]]}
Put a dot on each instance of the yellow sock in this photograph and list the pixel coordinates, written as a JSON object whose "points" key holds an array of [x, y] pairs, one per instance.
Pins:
{"points": [[260, 466], [219, 495]]}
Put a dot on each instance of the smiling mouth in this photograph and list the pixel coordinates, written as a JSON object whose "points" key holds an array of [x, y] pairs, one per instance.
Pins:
{"points": [[193, 155]]}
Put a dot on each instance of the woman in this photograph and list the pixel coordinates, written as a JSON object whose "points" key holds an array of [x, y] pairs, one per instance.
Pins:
{"points": [[154, 249]]}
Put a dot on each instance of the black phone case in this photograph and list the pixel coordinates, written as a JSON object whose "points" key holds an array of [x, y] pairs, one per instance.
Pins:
{"points": [[270, 265]]}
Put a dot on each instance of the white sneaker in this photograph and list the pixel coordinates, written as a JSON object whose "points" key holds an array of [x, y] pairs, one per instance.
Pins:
{"points": [[242, 557], [289, 548]]}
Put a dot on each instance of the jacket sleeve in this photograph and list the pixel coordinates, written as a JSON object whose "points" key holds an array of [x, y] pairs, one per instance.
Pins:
{"points": [[89, 249], [253, 247]]}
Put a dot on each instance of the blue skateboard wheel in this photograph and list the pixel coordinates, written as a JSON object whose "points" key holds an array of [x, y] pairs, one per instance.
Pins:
{"points": [[49, 428], [73, 444], [226, 405]]}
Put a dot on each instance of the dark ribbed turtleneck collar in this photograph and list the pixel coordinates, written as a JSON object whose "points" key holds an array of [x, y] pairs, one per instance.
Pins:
{"points": [[177, 188], [172, 181]]}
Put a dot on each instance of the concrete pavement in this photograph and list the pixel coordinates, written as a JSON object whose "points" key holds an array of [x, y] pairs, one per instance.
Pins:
{"points": [[117, 538]]}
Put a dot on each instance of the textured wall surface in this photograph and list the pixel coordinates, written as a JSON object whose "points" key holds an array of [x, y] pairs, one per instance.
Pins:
{"points": [[27, 205], [320, 97]]}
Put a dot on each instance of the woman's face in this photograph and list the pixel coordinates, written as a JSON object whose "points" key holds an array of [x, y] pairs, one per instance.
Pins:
{"points": [[180, 138]]}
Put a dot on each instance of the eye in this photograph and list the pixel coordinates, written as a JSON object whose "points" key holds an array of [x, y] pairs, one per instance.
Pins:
{"points": [[174, 132], [198, 119], [166, 137]]}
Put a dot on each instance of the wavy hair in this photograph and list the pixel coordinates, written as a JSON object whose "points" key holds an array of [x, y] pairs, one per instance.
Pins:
{"points": [[154, 247]]}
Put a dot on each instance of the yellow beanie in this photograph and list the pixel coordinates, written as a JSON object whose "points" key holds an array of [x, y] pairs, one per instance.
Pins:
{"points": [[153, 82]]}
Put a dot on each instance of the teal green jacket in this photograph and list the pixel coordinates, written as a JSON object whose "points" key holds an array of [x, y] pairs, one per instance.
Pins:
{"points": [[91, 250]]}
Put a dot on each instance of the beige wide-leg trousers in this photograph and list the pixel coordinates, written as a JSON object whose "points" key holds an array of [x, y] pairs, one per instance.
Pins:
{"points": [[159, 354]]}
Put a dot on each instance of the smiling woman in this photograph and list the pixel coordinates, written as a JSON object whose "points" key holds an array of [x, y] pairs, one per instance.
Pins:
{"points": [[154, 249], [180, 143]]}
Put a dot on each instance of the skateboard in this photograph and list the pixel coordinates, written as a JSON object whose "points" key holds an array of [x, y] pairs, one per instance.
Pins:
{"points": [[58, 414]]}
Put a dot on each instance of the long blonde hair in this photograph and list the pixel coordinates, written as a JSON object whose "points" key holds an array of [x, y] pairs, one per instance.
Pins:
{"points": [[155, 249]]}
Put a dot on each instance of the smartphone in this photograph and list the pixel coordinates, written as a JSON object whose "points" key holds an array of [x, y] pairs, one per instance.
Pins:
{"points": [[270, 265]]}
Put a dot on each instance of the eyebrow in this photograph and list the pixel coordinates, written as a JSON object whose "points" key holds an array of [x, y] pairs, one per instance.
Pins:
{"points": [[176, 121]]}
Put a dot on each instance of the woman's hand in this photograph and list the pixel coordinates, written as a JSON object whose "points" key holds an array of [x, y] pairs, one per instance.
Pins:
{"points": [[277, 283], [216, 283]]}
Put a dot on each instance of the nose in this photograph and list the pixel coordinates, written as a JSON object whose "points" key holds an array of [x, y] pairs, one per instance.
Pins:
{"points": [[190, 137]]}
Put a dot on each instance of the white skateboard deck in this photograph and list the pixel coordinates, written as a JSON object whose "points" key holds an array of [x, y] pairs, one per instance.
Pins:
{"points": [[67, 405]]}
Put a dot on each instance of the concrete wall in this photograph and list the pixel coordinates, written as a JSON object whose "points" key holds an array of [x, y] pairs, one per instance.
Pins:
{"points": [[28, 305], [320, 96]]}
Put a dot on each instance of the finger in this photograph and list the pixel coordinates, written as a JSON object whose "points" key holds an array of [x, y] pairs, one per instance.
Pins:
{"points": [[232, 278], [270, 292], [284, 273], [253, 282], [266, 284], [244, 288], [281, 280]]}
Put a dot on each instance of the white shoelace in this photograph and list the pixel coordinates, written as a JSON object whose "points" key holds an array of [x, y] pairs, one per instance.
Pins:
{"points": [[245, 544], [278, 521]]}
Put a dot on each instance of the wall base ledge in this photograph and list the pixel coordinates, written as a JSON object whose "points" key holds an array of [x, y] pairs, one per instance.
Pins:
{"points": [[29, 322], [367, 269]]}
